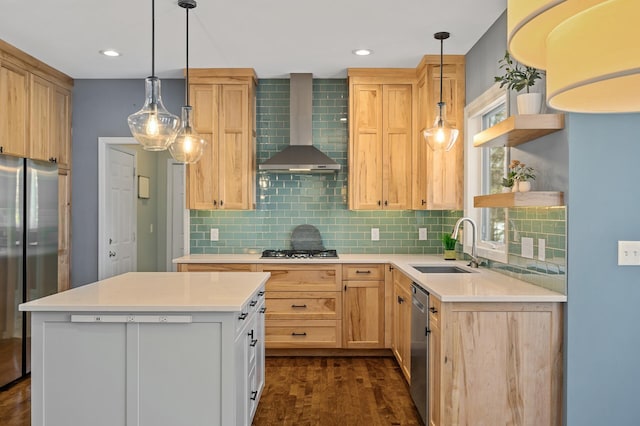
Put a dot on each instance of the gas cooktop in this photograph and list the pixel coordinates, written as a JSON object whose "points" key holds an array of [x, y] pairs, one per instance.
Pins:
{"points": [[299, 254]]}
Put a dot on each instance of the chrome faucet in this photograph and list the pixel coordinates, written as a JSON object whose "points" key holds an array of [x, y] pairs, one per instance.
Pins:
{"points": [[474, 247]]}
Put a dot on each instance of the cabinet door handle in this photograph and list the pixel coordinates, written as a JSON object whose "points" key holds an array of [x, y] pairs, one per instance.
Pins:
{"points": [[379, 202], [250, 334], [221, 203], [400, 299], [299, 306], [424, 202], [433, 310], [253, 303], [299, 334], [260, 293], [1, 149], [386, 203], [254, 395], [243, 316], [263, 310], [253, 343], [215, 202], [363, 272]]}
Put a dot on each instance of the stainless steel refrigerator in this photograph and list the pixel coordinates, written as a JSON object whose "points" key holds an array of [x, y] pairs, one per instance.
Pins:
{"points": [[28, 253]]}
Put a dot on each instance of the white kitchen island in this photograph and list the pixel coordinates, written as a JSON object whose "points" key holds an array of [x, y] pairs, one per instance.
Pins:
{"points": [[149, 349]]}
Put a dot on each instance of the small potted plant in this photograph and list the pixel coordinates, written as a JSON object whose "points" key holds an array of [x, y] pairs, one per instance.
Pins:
{"points": [[449, 244], [518, 77], [519, 176]]}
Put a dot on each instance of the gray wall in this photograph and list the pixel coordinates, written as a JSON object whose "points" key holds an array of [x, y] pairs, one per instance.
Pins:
{"points": [[593, 158], [603, 342], [101, 108]]}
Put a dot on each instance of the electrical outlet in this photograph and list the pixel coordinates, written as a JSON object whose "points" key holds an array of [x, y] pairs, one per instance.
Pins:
{"points": [[542, 247], [422, 234], [214, 234], [375, 234], [527, 247], [629, 253]]}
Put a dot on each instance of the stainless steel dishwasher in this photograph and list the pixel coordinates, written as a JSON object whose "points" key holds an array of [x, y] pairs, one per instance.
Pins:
{"points": [[420, 350]]}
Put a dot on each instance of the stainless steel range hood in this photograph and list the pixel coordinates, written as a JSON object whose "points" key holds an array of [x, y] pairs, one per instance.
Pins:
{"points": [[300, 155]]}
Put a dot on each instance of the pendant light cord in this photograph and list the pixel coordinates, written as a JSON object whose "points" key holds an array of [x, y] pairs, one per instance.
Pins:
{"points": [[153, 38], [441, 53], [187, 50]]}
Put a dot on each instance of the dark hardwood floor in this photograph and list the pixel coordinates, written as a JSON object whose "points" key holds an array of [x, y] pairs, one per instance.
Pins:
{"points": [[300, 391], [326, 391]]}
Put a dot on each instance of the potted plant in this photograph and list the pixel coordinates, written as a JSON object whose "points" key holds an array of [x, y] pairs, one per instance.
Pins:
{"points": [[519, 177], [518, 77], [449, 244]]}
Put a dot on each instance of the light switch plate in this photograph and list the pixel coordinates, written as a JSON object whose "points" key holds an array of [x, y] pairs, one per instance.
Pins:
{"points": [[375, 234], [527, 247], [542, 247], [422, 234], [214, 234], [629, 253]]}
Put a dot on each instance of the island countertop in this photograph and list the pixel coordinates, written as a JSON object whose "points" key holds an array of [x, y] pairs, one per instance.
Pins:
{"points": [[157, 292], [479, 285]]}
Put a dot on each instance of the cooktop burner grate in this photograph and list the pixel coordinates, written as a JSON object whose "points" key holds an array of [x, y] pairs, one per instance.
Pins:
{"points": [[299, 254]]}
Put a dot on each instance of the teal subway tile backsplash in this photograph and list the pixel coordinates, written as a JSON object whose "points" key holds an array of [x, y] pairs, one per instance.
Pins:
{"points": [[284, 201]]}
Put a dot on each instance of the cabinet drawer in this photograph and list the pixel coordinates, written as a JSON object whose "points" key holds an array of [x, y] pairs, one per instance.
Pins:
{"points": [[303, 277], [283, 305], [303, 334], [363, 272], [216, 267]]}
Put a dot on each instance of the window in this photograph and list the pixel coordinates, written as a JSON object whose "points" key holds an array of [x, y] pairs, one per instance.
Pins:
{"points": [[484, 170]]}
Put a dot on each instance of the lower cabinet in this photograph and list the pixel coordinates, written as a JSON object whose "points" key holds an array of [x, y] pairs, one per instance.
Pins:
{"points": [[304, 306], [401, 317], [216, 267], [495, 363], [147, 368], [363, 301]]}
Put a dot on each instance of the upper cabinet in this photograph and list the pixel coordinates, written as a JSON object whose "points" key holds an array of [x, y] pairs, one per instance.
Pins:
{"points": [[35, 108], [439, 175], [224, 114], [14, 109], [381, 117]]}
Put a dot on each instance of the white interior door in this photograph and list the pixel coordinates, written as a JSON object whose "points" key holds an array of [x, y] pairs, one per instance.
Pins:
{"points": [[176, 213], [120, 256]]}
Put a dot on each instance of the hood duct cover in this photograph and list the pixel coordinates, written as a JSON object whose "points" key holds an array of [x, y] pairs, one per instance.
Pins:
{"points": [[300, 155]]}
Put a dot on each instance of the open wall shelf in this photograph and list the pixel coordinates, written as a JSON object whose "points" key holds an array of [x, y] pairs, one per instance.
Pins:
{"points": [[520, 199], [519, 129]]}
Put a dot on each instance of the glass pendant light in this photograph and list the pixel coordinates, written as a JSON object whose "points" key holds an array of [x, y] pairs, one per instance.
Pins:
{"points": [[153, 126], [442, 135], [188, 146]]}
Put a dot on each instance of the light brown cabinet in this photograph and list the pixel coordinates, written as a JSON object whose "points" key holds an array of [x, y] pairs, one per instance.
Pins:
{"points": [[381, 138], [495, 363], [64, 229], [14, 109], [224, 114], [304, 306], [401, 317], [217, 267], [364, 306], [438, 176]]}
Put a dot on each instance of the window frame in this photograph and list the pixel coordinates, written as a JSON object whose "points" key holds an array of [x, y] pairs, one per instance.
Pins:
{"points": [[473, 115]]}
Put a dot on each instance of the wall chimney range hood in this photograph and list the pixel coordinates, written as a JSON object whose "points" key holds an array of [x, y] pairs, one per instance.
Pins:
{"points": [[300, 155]]}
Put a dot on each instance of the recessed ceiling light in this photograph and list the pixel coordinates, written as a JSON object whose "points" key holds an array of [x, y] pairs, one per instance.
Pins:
{"points": [[110, 52], [362, 52]]}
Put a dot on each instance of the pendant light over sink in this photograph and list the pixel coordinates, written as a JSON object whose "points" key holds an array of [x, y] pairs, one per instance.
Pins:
{"points": [[188, 146], [442, 135], [153, 126]]}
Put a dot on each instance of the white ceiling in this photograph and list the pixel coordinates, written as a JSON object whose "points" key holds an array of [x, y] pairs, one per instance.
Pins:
{"points": [[276, 37]]}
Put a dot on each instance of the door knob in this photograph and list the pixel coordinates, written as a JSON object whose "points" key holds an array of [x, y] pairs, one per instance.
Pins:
{"points": [[112, 253]]}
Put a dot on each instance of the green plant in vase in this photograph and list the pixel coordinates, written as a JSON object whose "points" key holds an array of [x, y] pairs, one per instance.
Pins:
{"points": [[449, 244], [518, 77]]}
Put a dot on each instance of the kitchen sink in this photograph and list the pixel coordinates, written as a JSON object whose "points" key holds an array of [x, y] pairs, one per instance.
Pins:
{"points": [[440, 269]]}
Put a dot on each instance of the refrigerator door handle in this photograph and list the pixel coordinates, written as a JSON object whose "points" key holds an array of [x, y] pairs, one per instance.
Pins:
{"points": [[35, 243]]}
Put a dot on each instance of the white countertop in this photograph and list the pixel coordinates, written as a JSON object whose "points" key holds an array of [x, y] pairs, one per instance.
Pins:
{"points": [[480, 285], [157, 291]]}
